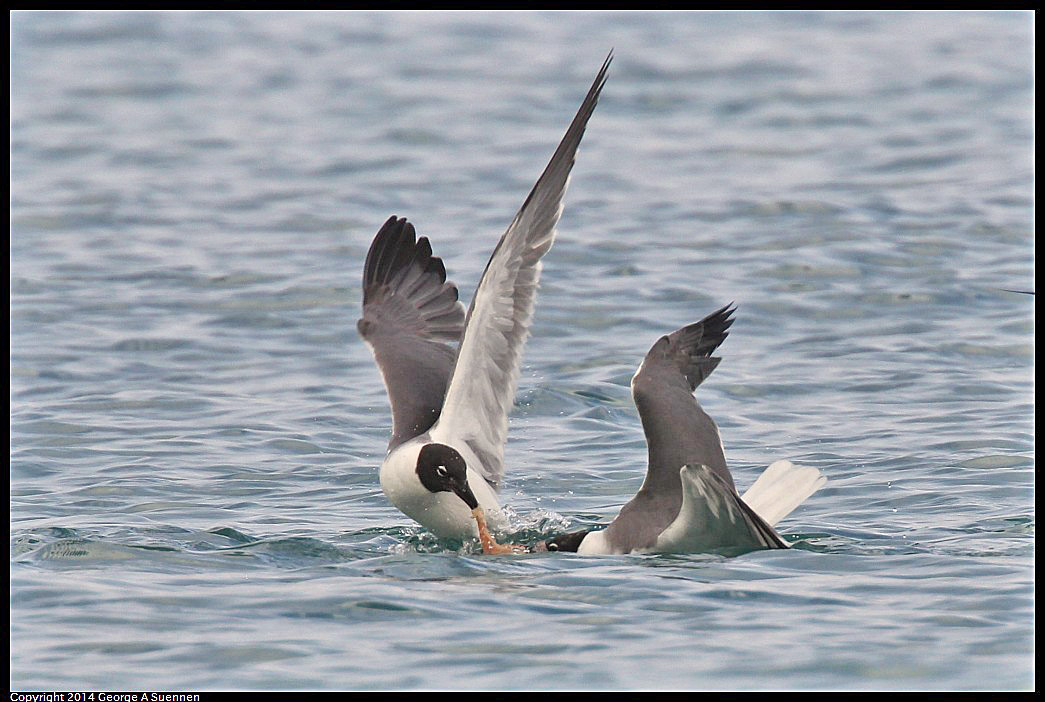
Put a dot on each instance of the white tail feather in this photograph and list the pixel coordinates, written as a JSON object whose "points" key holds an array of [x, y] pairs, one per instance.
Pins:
{"points": [[782, 487]]}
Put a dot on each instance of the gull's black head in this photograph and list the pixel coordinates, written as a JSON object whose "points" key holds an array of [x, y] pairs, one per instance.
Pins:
{"points": [[568, 543], [442, 469]]}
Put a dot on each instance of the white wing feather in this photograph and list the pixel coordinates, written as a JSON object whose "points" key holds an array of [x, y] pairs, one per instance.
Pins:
{"points": [[482, 387]]}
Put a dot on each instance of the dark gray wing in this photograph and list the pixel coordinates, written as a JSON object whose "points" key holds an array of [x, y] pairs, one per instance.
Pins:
{"points": [[482, 389], [411, 315], [678, 431]]}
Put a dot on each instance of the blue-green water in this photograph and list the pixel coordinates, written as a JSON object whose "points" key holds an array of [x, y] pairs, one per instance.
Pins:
{"points": [[196, 427]]}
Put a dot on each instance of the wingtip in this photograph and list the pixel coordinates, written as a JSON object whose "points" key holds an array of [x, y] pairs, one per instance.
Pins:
{"points": [[600, 79], [596, 87], [719, 321]]}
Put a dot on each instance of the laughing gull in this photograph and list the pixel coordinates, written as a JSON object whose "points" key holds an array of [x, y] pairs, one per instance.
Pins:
{"points": [[688, 502], [450, 406]]}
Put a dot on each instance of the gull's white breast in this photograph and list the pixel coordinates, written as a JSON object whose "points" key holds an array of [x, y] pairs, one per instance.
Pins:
{"points": [[443, 513]]}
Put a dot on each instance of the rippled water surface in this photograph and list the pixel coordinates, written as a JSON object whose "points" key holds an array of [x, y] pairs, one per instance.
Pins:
{"points": [[196, 426]]}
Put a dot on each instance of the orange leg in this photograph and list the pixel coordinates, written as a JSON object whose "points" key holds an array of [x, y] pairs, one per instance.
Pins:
{"points": [[490, 545]]}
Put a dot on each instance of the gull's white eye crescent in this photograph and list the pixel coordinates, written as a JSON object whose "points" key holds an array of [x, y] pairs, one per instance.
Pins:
{"points": [[441, 470]]}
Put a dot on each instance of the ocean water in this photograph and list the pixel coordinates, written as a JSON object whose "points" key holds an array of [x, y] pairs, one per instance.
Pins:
{"points": [[196, 426]]}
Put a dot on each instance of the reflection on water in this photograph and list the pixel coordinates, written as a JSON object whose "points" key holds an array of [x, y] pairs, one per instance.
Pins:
{"points": [[196, 427]]}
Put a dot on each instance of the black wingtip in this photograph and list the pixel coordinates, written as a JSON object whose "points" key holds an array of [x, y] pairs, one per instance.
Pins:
{"points": [[696, 342], [606, 63], [600, 78], [715, 328], [388, 231], [567, 148], [394, 246]]}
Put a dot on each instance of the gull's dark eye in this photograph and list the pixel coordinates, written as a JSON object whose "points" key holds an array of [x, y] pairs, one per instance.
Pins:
{"points": [[441, 471]]}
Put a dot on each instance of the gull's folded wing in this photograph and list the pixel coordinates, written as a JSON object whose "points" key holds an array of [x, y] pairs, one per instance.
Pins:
{"points": [[713, 517]]}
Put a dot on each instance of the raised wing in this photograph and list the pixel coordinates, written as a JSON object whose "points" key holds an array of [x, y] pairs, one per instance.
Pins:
{"points": [[482, 389], [678, 432], [410, 316]]}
